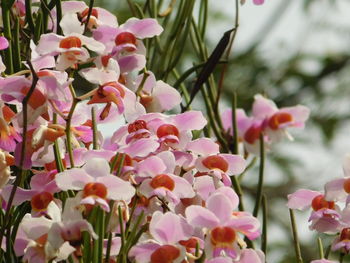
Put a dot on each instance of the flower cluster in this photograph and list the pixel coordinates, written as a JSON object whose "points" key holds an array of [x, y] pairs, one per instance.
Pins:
{"points": [[330, 209], [153, 191], [266, 119]]}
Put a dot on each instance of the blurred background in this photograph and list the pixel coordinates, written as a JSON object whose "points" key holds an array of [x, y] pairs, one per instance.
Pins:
{"points": [[294, 52]]}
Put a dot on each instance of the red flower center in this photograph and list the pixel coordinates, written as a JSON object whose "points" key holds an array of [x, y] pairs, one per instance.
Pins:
{"points": [[70, 42], [168, 129], [319, 203], [346, 185], [345, 234], [165, 254], [162, 180], [252, 134], [126, 162], [40, 201], [137, 125], [85, 13], [95, 189], [222, 236], [279, 118], [125, 38], [215, 162]]}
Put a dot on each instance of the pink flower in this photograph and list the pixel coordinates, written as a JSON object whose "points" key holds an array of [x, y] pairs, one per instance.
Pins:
{"points": [[339, 189], [221, 224], [325, 216], [166, 231], [97, 184]]}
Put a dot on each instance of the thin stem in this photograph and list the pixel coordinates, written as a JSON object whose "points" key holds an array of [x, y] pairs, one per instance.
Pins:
{"points": [[94, 129], [58, 16], [264, 226], [69, 132], [295, 237], [7, 33], [238, 190], [91, 5], [320, 247], [234, 149], [261, 176]]}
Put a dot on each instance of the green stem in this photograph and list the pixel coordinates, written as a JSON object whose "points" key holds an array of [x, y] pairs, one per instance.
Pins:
{"points": [[320, 247], [238, 190], [58, 16], [234, 149], [264, 226], [94, 129], [261, 176], [16, 47], [69, 131], [7, 33], [295, 237]]}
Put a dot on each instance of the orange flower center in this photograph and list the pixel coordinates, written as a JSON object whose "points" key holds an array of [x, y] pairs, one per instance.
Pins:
{"points": [[319, 203], [70, 42], [215, 162], [162, 180], [165, 254], [40, 201], [279, 118], [222, 236], [95, 189]]}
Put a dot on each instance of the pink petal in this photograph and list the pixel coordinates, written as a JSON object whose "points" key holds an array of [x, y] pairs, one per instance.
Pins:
{"points": [[190, 120], [73, 179], [143, 28], [132, 62], [142, 147], [142, 252], [236, 163], [201, 217], [151, 167], [3, 43], [250, 255], [258, 2], [118, 189], [221, 206], [169, 228], [97, 167], [334, 190], [301, 199], [203, 146], [263, 107]]}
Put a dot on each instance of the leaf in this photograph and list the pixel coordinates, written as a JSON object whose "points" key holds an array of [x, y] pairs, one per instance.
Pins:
{"points": [[211, 63]]}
